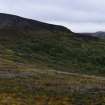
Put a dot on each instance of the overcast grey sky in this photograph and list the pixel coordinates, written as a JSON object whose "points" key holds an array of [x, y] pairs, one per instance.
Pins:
{"points": [[78, 15]]}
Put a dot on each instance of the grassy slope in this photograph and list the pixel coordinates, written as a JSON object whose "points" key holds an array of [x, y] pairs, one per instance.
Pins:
{"points": [[27, 60], [60, 51], [57, 50], [51, 88]]}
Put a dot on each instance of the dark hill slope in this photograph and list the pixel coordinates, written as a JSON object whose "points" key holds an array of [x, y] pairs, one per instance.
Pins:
{"points": [[16, 22], [32, 42]]}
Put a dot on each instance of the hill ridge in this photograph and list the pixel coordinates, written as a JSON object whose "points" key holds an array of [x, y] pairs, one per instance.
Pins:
{"points": [[13, 20]]}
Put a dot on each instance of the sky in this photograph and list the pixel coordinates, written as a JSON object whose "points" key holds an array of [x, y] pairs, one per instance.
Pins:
{"points": [[77, 15]]}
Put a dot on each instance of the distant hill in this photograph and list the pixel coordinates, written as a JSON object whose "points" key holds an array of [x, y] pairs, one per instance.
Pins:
{"points": [[26, 41], [100, 34]]}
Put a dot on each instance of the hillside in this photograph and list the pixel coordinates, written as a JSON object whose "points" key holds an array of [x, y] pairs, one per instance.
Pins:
{"points": [[45, 64], [50, 46]]}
